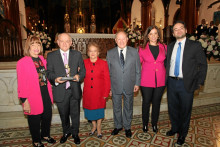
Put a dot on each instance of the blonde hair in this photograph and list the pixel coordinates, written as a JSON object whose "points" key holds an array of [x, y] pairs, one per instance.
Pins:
{"points": [[31, 40], [92, 44]]}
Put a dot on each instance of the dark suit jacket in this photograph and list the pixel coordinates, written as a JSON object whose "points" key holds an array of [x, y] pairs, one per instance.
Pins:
{"points": [[127, 78], [194, 66], [55, 68]]}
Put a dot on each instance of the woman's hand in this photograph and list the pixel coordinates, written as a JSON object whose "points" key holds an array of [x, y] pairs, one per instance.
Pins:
{"points": [[27, 108]]}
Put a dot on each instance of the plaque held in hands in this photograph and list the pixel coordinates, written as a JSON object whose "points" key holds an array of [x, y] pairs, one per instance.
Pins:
{"points": [[67, 77]]}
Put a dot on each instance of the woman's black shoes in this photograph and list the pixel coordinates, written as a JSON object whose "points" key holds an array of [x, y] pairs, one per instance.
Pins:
{"points": [[155, 130], [49, 140], [92, 133], [145, 129]]}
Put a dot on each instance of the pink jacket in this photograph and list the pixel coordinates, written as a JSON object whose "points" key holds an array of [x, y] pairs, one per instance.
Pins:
{"points": [[28, 84], [152, 67]]}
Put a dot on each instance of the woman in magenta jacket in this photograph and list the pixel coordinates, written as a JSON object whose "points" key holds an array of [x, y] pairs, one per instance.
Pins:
{"points": [[152, 57], [34, 91], [96, 88]]}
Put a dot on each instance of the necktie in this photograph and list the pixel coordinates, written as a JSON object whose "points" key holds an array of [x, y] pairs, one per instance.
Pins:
{"points": [[177, 62], [122, 59], [66, 62]]}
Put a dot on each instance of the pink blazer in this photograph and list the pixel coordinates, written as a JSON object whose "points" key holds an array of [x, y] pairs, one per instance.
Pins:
{"points": [[152, 67], [28, 84]]}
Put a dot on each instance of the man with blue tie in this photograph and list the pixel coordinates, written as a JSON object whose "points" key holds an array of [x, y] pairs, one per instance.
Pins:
{"points": [[186, 71], [125, 74]]}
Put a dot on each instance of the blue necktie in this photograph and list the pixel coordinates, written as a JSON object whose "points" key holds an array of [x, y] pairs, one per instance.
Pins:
{"points": [[177, 62], [122, 59]]}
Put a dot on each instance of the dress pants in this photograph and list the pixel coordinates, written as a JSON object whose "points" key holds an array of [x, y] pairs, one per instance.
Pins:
{"points": [[179, 106], [39, 125], [125, 118], [69, 108], [151, 95]]}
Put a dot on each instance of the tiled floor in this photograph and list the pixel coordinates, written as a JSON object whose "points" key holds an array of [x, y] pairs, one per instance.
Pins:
{"points": [[204, 132]]}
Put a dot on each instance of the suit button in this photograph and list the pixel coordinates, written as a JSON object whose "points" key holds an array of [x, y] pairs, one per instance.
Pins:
{"points": [[91, 71], [91, 86], [93, 64], [91, 78]]}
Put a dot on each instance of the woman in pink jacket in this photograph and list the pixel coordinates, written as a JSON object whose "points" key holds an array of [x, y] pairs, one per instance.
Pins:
{"points": [[152, 57], [34, 91]]}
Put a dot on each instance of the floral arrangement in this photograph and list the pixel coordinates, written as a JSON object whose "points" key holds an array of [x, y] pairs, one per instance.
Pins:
{"points": [[211, 46], [45, 38], [133, 35]]}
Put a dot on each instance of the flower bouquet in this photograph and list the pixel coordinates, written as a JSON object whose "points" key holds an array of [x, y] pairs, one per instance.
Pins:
{"points": [[133, 35], [45, 38]]}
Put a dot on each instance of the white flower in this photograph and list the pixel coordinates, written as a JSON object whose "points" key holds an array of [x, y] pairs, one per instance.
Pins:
{"points": [[33, 32], [219, 43], [132, 40], [216, 52], [204, 44], [45, 35], [48, 43], [139, 37], [210, 48], [47, 46], [37, 32], [49, 38], [42, 37], [134, 35], [192, 38], [213, 42], [37, 35], [201, 40]]}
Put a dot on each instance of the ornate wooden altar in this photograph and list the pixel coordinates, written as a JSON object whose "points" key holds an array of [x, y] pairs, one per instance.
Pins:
{"points": [[105, 41]]}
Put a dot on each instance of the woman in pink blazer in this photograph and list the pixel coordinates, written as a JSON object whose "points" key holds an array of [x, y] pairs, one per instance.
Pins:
{"points": [[152, 57], [34, 91]]}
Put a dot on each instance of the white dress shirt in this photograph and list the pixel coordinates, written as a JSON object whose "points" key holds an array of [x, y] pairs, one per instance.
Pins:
{"points": [[173, 58], [124, 52]]}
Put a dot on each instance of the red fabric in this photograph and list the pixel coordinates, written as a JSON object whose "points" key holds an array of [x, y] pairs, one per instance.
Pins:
{"points": [[28, 84], [152, 67], [99, 80]]}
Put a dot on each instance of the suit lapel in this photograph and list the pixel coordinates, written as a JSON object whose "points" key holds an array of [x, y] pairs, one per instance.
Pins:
{"points": [[116, 56], [60, 62], [128, 55], [185, 50]]}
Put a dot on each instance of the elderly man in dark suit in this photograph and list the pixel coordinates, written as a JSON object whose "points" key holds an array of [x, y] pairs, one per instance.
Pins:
{"points": [[186, 72], [125, 74], [67, 93]]}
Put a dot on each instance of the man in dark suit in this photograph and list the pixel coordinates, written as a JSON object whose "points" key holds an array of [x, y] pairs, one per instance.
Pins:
{"points": [[125, 74], [67, 94], [186, 72], [212, 30], [201, 29]]}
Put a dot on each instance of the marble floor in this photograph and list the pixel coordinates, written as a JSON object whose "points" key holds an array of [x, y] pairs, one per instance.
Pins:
{"points": [[204, 132]]}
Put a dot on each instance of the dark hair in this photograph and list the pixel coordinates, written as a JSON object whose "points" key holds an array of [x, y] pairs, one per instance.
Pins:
{"points": [[146, 39], [179, 21]]}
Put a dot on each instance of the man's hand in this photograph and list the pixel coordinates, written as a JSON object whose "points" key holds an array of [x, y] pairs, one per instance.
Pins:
{"points": [[27, 108], [136, 88], [58, 80], [76, 78]]}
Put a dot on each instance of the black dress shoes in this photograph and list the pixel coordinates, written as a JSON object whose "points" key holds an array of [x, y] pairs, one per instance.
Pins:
{"points": [[76, 139], [145, 129], [37, 144], [155, 130], [180, 140], [170, 133], [49, 140], [64, 137], [116, 131], [128, 133]]}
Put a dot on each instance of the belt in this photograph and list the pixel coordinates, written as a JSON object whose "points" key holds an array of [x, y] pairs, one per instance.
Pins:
{"points": [[176, 78]]}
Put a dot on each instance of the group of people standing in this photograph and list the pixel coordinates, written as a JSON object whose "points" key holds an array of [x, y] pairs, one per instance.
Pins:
{"points": [[181, 66]]}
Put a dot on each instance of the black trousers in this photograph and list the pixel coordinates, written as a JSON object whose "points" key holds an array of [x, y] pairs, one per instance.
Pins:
{"points": [[39, 125], [69, 107], [151, 95], [179, 106]]}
